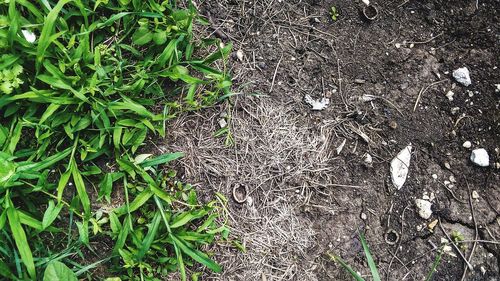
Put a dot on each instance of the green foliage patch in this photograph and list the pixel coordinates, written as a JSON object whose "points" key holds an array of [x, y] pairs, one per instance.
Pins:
{"points": [[83, 84]]}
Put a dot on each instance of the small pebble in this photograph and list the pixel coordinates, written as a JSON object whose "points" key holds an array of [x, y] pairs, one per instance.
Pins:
{"points": [[393, 125], [424, 208], [480, 157], [447, 165], [222, 123], [434, 176], [368, 159], [475, 195], [240, 55], [450, 95], [462, 76], [364, 216], [467, 144]]}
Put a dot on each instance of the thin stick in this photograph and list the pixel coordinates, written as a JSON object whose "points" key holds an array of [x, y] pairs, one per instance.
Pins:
{"points": [[275, 73], [455, 245], [423, 90], [475, 228], [426, 41]]}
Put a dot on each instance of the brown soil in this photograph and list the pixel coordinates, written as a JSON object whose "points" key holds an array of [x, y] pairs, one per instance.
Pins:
{"points": [[305, 199]]}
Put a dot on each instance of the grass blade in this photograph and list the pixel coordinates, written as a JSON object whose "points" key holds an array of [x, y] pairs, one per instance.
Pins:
{"points": [[21, 241], [162, 159], [51, 214], [148, 240], [353, 273], [435, 264], [369, 258], [196, 255], [178, 253], [80, 188], [48, 29]]}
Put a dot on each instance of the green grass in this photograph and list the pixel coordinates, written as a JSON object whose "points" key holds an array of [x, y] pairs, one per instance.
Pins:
{"points": [[373, 266], [77, 105]]}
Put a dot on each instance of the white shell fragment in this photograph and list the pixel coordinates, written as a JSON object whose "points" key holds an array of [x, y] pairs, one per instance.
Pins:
{"points": [[28, 35], [400, 167], [317, 104], [423, 208], [367, 2], [462, 76], [480, 157]]}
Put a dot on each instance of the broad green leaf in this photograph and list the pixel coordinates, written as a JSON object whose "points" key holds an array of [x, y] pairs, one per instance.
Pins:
{"points": [[142, 36], [4, 134], [162, 159], [51, 213], [80, 188], [7, 168], [21, 241], [105, 187], [83, 231], [58, 271]]}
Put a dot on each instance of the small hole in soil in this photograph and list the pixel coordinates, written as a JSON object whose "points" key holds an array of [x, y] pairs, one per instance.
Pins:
{"points": [[240, 193], [391, 237], [370, 12]]}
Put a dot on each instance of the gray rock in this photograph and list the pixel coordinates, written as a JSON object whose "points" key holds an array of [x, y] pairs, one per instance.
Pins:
{"points": [[462, 76]]}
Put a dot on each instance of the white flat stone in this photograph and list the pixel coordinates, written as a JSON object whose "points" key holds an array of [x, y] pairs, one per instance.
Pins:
{"points": [[400, 167], [480, 157]]}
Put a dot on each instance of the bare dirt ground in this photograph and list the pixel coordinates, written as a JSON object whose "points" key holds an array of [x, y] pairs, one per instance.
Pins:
{"points": [[387, 82]]}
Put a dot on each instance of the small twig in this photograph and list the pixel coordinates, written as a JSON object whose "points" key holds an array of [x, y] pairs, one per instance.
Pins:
{"points": [[423, 90], [399, 242], [426, 41], [455, 245], [475, 228], [275, 73]]}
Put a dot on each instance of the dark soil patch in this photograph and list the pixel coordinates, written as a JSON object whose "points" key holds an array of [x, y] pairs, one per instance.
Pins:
{"points": [[405, 59]]}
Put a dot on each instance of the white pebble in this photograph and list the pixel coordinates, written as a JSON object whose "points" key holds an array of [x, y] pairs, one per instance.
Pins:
{"points": [[467, 144], [240, 55], [450, 95], [424, 208], [462, 76], [475, 195], [480, 157], [368, 158]]}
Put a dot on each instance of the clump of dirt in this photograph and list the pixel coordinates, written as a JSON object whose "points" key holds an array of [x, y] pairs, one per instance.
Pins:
{"points": [[311, 185]]}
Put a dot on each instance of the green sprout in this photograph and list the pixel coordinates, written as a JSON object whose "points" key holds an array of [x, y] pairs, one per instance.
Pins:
{"points": [[334, 13]]}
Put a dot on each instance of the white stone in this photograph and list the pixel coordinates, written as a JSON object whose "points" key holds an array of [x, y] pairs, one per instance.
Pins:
{"points": [[364, 216], [462, 76], [368, 158], [240, 55], [467, 144], [367, 2], [423, 208], [480, 157], [400, 167], [222, 123], [475, 195], [450, 95]]}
